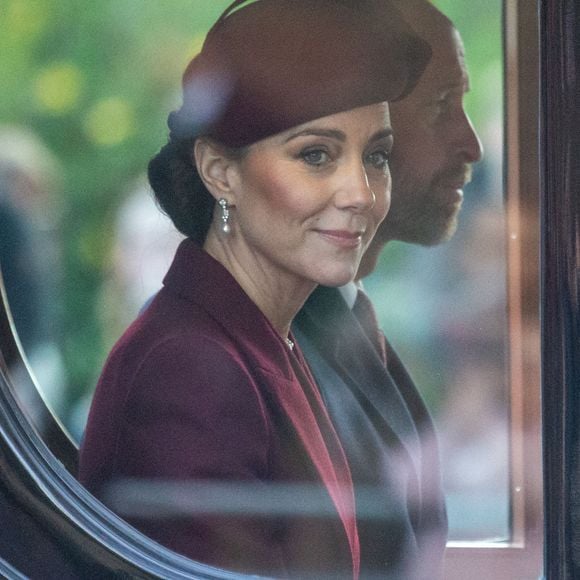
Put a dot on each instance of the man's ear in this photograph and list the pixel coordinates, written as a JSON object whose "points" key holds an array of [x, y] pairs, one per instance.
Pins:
{"points": [[215, 168]]}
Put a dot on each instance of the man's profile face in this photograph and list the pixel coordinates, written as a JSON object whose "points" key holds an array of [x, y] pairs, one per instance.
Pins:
{"points": [[435, 145]]}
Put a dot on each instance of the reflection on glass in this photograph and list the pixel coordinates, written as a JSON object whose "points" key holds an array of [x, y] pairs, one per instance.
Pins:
{"points": [[443, 308]]}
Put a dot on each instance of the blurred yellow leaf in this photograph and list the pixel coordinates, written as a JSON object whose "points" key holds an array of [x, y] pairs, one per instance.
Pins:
{"points": [[110, 122], [26, 18], [58, 87]]}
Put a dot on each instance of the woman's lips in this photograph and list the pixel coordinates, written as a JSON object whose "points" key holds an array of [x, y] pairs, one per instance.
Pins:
{"points": [[342, 238]]}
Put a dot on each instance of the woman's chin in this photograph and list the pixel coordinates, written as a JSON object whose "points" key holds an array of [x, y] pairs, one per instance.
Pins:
{"points": [[335, 279]]}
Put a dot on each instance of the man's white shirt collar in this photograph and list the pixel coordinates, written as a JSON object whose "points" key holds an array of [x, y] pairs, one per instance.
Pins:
{"points": [[349, 292]]}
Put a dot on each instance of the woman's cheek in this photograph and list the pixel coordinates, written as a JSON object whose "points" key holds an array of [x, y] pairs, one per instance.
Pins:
{"points": [[383, 201]]}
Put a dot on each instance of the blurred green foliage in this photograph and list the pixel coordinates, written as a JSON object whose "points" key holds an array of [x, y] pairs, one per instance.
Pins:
{"points": [[95, 81], [480, 25]]}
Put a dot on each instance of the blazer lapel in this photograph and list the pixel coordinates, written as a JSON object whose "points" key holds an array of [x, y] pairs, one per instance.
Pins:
{"points": [[337, 334]]}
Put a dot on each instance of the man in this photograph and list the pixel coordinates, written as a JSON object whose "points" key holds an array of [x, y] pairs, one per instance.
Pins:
{"points": [[385, 428], [435, 143]]}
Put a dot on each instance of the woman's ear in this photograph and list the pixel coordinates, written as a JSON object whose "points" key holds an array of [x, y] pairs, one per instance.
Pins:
{"points": [[214, 167]]}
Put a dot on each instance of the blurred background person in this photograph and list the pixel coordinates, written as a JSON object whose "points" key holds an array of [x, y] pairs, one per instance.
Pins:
{"points": [[144, 241], [30, 253]]}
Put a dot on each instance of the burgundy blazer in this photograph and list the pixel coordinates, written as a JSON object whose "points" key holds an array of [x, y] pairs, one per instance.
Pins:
{"points": [[201, 389]]}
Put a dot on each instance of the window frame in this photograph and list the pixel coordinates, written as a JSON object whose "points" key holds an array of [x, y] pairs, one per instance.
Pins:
{"points": [[521, 555], [560, 303]]}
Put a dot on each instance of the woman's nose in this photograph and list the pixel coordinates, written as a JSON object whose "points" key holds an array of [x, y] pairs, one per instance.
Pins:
{"points": [[355, 191]]}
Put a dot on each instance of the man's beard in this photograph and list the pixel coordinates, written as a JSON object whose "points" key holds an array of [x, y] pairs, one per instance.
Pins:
{"points": [[427, 225], [428, 216]]}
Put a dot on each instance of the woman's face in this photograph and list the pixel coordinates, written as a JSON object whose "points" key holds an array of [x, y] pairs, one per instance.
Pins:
{"points": [[309, 200]]}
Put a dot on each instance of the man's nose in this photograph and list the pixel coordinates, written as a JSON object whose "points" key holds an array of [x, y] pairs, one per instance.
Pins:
{"points": [[468, 140]]}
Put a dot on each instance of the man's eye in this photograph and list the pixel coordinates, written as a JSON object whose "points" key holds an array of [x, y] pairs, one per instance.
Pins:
{"points": [[448, 102], [315, 156], [379, 159], [439, 101]]}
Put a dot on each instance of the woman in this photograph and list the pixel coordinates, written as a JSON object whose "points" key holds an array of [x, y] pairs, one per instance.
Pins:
{"points": [[277, 172]]}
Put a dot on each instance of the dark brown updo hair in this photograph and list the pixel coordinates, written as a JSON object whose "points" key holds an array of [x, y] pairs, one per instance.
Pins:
{"points": [[272, 65], [180, 191]]}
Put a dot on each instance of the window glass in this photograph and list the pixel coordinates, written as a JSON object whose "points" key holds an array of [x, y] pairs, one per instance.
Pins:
{"points": [[83, 104]]}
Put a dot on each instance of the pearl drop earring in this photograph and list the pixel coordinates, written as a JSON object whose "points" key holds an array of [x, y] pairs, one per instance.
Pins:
{"points": [[225, 217]]}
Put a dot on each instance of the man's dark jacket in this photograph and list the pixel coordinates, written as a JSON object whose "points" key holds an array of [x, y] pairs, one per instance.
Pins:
{"points": [[388, 436]]}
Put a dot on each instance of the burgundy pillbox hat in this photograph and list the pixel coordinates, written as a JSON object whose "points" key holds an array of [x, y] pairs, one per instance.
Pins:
{"points": [[274, 64]]}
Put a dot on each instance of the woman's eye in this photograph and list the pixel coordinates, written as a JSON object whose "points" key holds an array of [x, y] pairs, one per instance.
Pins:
{"points": [[315, 156], [379, 159]]}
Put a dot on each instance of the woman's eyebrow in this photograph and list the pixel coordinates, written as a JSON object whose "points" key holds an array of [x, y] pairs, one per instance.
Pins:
{"points": [[336, 134], [332, 133]]}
